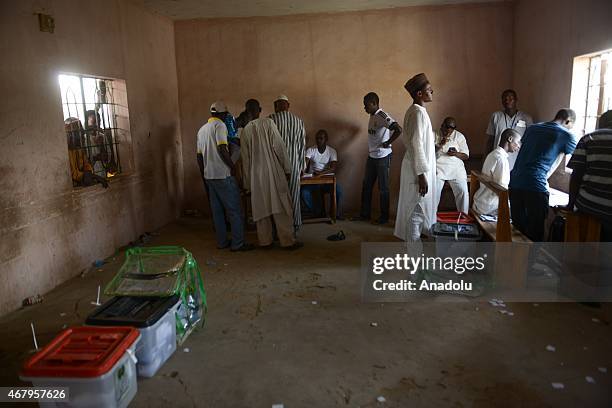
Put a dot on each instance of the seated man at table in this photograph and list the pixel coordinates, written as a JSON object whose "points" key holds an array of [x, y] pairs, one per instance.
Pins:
{"points": [[497, 168], [321, 160], [451, 151]]}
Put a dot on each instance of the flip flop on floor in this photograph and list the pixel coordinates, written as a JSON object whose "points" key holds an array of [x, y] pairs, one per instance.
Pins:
{"points": [[337, 237]]}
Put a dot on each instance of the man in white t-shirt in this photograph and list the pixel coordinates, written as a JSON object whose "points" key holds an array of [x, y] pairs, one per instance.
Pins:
{"points": [[509, 118], [216, 166], [380, 126], [451, 151], [497, 168], [321, 160]]}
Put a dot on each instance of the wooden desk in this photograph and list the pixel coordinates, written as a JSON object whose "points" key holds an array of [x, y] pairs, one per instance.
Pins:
{"points": [[321, 180]]}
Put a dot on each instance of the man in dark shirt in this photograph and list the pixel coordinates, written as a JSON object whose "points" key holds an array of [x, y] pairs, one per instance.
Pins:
{"points": [[544, 146]]}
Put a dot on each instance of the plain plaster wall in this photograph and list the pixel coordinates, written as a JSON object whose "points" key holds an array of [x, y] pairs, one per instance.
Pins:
{"points": [[49, 231], [548, 34], [325, 63]]}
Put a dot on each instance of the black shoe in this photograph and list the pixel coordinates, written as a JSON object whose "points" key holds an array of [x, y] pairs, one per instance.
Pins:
{"points": [[229, 243], [245, 247], [337, 237]]}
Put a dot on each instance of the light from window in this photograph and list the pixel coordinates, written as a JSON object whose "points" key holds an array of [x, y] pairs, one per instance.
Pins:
{"points": [[591, 89], [95, 119]]}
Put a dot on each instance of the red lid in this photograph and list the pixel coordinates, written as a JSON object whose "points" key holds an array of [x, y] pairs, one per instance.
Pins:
{"points": [[455, 217], [88, 351]]}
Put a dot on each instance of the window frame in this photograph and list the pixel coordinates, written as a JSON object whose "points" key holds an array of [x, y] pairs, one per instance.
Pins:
{"points": [[112, 120]]}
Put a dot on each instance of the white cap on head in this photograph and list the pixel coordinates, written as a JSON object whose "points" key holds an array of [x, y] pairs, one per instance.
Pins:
{"points": [[218, 107], [281, 98]]}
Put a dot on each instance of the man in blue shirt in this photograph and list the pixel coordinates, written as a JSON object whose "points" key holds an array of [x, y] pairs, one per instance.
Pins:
{"points": [[544, 145]]}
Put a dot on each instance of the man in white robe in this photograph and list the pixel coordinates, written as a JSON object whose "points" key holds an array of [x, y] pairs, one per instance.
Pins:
{"points": [[266, 169], [416, 209], [497, 168], [293, 133]]}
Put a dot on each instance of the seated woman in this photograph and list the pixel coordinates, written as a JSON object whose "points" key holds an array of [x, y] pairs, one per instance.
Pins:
{"points": [[321, 160]]}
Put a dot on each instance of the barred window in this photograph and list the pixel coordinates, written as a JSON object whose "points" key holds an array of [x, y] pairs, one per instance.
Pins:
{"points": [[591, 89], [96, 122], [591, 92]]}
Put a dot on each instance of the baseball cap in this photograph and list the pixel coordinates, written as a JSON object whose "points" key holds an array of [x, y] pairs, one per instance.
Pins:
{"points": [[218, 107], [281, 98]]}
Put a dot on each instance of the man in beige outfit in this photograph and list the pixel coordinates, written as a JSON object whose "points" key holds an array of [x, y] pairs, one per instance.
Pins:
{"points": [[266, 168]]}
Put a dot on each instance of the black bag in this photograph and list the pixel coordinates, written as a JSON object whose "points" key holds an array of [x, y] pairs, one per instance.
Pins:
{"points": [[556, 232]]}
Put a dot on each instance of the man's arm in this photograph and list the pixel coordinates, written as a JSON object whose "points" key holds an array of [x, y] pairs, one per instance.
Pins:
{"points": [[280, 149], [458, 154], [574, 188], [420, 162], [225, 155], [578, 164], [201, 164], [464, 152], [440, 143], [329, 168], [397, 130], [245, 156], [555, 164]]}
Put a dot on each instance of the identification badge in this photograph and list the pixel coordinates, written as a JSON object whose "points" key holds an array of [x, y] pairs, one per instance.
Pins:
{"points": [[521, 123]]}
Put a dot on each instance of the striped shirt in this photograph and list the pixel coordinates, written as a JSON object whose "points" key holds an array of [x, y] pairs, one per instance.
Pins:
{"points": [[593, 156], [293, 133]]}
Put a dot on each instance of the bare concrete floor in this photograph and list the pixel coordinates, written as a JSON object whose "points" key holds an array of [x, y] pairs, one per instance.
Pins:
{"points": [[265, 341]]}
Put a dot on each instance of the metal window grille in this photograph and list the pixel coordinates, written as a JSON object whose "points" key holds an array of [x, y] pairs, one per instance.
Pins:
{"points": [[90, 115], [599, 90]]}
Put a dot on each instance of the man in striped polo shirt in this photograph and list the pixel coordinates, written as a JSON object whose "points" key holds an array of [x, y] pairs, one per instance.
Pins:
{"points": [[591, 182], [293, 133]]}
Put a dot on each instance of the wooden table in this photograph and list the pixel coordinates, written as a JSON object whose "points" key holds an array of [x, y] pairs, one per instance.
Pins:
{"points": [[321, 180]]}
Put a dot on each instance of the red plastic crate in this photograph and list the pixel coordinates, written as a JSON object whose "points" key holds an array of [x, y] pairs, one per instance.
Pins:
{"points": [[455, 217], [81, 352]]}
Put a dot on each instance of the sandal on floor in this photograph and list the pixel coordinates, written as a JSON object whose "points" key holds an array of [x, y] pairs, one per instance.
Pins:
{"points": [[337, 237]]}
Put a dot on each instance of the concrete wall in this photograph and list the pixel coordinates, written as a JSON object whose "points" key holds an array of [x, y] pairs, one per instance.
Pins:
{"points": [[325, 63], [49, 231], [548, 34]]}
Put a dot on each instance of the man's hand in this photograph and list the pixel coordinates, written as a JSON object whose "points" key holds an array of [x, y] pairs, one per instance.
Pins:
{"points": [[423, 187], [386, 144]]}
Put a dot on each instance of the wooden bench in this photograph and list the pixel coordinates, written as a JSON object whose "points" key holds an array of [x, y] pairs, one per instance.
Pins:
{"points": [[510, 263], [502, 230], [580, 227]]}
